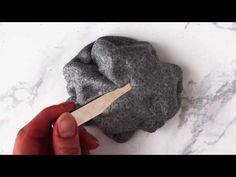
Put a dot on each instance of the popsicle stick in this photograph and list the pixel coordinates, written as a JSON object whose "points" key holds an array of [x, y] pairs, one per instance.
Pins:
{"points": [[98, 105]]}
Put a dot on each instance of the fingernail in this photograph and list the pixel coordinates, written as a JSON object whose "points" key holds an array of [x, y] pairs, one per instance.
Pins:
{"points": [[66, 127], [95, 140]]}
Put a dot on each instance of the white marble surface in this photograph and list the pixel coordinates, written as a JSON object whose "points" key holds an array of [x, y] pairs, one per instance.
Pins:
{"points": [[32, 56]]}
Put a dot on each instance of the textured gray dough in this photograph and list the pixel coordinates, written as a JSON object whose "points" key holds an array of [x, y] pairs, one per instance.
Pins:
{"points": [[111, 62]]}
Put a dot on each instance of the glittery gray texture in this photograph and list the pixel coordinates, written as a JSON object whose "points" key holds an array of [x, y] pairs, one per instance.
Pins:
{"points": [[111, 62]]}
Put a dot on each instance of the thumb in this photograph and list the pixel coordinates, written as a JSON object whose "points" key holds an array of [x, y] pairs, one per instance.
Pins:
{"points": [[66, 136]]}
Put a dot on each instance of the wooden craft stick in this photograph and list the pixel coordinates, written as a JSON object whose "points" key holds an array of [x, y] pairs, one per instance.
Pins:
{"points": [[99, 105]]}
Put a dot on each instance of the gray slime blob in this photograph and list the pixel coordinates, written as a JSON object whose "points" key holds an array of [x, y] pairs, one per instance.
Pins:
{"points": [[111, 62]]}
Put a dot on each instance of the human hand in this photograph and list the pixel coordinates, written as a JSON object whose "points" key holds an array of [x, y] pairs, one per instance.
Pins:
{"points": [[38, 137]]}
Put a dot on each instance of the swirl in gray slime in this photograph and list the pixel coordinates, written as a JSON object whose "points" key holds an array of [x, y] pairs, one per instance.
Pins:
{"points": [[112, 62]]}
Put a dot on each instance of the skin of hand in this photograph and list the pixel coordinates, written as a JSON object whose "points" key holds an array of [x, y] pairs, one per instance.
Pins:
{"points": [[65, 138]]}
